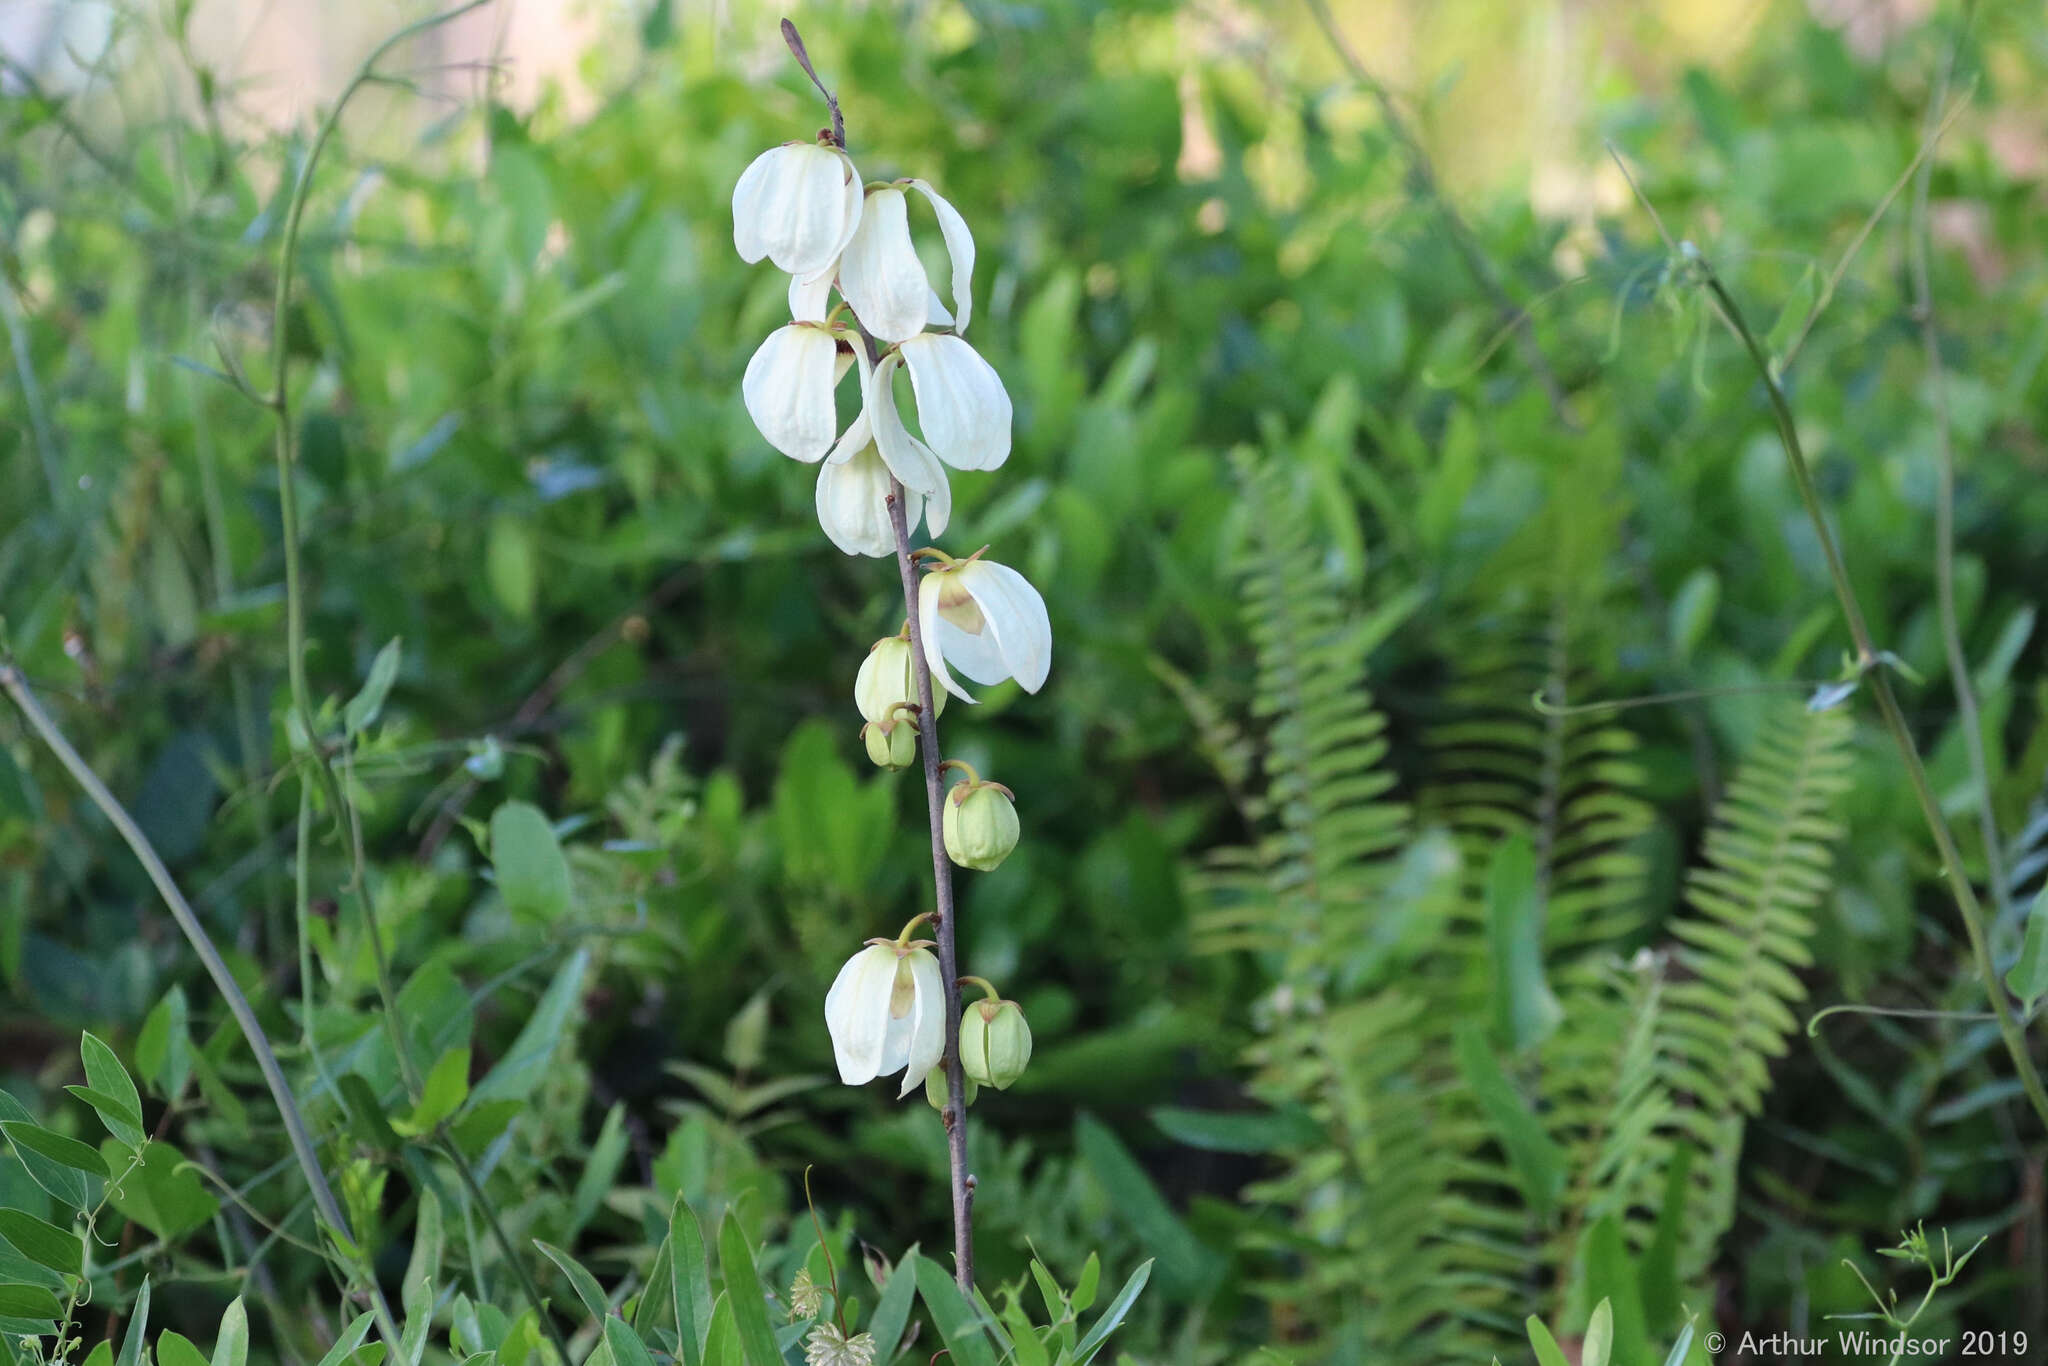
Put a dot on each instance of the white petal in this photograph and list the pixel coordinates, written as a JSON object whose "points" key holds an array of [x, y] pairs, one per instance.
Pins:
{"points": [[880, 274], [927, 625], [902, 1029], [959, 246], [1016, 619], [928, 1020], [788, 391], [857, 1013], [808, 298], [935, 314], [793, 206], [853, 504], [960, 402], [909, 459]]}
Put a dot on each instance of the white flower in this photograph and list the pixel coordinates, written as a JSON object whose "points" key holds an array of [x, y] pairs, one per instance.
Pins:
{"points": [[960, 401], [853, 495], [798, 205], [909, 459], [827, 1346], [788, 388], [886, 1011], [882, 278], [987, 621]]}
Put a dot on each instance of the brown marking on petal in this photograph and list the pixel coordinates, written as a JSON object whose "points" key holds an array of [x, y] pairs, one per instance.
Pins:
{"points": [[903, 993]]}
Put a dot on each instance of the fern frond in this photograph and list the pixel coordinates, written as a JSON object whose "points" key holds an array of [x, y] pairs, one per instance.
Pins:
{"points": [[1742, 942]]}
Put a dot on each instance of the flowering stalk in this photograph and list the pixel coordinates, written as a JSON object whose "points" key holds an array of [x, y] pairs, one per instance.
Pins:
{"points": [[955, 1113], [894, 1007]]}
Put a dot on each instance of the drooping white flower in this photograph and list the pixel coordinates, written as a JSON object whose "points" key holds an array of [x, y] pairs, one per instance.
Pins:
{"points": [[853, 495], [798, 205], [961, 403], [881, 276], [788, 389], [909, 459], [986, 620], [886, 1012]]}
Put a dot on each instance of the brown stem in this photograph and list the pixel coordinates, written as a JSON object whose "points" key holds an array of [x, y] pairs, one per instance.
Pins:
{"points": [[955, 1114]]}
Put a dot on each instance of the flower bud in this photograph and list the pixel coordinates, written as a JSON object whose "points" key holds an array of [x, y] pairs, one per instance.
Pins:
{"points": [[995, 1043], [887, 680], [891, 744], [935, 1089], [980, 824]]}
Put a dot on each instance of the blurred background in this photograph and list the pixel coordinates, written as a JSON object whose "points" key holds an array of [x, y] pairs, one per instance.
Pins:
{"points": [[1378, 1006]]}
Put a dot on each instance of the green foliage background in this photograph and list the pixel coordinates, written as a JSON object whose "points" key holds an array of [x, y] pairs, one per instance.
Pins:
{"points": [[1376, 1019]]}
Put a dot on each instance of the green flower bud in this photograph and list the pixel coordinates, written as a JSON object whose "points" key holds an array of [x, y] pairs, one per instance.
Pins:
{"points": [[891, 744], [887, 680], [980, 824], [935, 1089], [995, 1043]]}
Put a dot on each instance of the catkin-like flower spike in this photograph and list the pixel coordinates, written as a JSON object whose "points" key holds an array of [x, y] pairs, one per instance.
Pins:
{"points": [[798, 205], [986, 620], [961, 403]]}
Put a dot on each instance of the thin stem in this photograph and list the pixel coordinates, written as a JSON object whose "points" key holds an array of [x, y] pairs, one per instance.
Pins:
{"points": [[1422, 177], [505, 1248], [1879, 681], [955, 1114], [17, 690], [1945, 485]]}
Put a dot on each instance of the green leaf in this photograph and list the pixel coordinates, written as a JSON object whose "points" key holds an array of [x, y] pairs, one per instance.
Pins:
{"points": [[526, 1062], [28, 1302], [1186, 1268], [892, 1311], [124, 1124], [138, 1329], [1692, 612], [689, 1282], [105, 1075], [581, 1281], [162, 1194], [1548, 1353], [65, 1152], [441, 1095], [1657, 1272], [1091, 1342], [422, 1271], [959, 1326], [533, 875], [1531, 1151], [65, 1183], [722, 1341], [1679, 1349], [43, 1243], [627, 1349], [175, 1349], [1083, 1296], [1599, 1343], [2029, 976], [600, 1169], [231, 1343], [743, 1285], [363, 709], [1246, 1131], [1611, 1273], [1524, 1011], [365, 1112], [509, 565], [163, 1050], [346, 1344]]}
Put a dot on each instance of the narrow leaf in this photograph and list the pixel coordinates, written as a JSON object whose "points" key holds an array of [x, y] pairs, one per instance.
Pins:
{"points": [[743, 1286]]}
